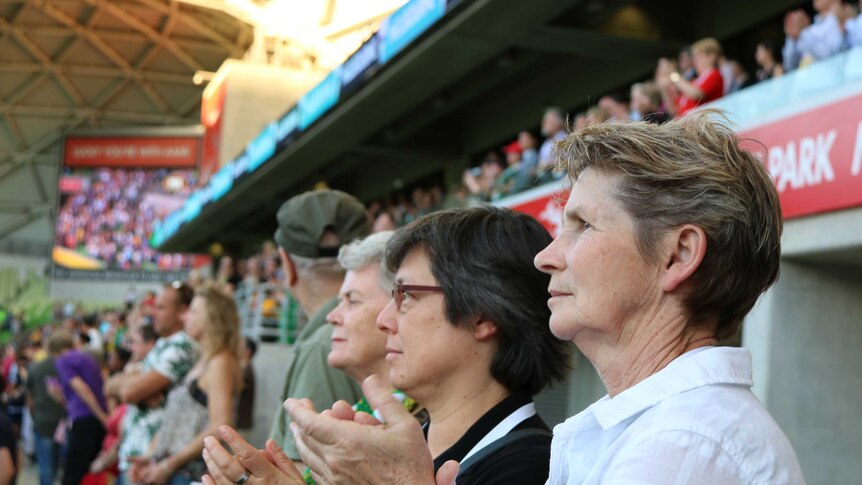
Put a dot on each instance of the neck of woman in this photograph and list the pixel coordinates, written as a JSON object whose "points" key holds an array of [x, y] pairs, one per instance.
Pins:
{"points": [[454, 407], [643, 348]]}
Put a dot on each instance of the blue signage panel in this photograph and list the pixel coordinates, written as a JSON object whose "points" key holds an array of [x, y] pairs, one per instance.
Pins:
{"points": [[320, 99], [288, 126], [406, 24], [261, 148], [361, 62], [192, 206], [221, 182]]}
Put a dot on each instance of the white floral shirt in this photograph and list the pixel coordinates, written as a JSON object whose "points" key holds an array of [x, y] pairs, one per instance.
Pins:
{"points": [[172, 357]]}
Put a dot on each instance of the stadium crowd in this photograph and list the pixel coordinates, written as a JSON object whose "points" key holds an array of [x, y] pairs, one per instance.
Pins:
{"points": [[129, 394], [111, 220], [59, 398], [701, 73]]}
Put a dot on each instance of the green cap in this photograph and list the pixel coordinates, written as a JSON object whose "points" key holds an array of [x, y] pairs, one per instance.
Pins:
{"points": [[303, 219]]}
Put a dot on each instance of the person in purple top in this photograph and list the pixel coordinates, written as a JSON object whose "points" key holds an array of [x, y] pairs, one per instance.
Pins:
{"points": [[80, 388]]}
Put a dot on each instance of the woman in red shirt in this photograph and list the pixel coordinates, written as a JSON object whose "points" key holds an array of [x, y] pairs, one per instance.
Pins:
{"points": [[681, 96]]}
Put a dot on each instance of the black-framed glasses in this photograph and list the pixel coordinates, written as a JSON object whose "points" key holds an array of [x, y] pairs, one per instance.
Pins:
{"points": [[399, 290]]}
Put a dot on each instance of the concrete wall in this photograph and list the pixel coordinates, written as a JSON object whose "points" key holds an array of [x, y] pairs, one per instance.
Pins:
{"points": [[806, 339], [257, 95], [270, 366], [805, 336], [100, 292]]}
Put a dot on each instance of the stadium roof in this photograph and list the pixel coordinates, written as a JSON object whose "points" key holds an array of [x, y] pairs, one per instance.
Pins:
{"points": [[67, 65], [70, 64]]}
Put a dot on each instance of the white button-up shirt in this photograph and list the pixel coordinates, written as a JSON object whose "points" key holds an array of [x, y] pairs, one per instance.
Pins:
{"points": [[695, 421]]}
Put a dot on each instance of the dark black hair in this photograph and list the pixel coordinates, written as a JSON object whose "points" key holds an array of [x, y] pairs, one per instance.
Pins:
{"points": [[483, 259], [768, 45], [185, 293], [89, 320]]}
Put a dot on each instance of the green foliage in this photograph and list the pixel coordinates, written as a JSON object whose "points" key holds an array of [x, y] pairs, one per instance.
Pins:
{"points": [[26, 294]]}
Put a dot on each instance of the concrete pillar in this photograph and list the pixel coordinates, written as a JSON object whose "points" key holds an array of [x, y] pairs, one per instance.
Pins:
{"points": [[805, 337]]}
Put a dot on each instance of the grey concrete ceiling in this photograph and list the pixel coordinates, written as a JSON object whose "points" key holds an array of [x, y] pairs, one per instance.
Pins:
{"points": [[74, 64]]}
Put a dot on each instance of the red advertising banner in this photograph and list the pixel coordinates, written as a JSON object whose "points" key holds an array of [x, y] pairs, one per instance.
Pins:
{"points": [[545, 203], [814, 157], [132, 152]]}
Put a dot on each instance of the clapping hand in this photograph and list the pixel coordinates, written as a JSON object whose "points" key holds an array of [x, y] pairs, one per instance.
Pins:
{"points": [[341, 446], [249, 465]]}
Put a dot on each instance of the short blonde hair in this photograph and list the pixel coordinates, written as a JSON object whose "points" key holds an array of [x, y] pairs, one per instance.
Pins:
{"points": [[692, 171], [707, 45]]}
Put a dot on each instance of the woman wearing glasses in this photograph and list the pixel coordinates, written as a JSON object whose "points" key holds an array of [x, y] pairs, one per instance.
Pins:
{"points": [[467, 337]]}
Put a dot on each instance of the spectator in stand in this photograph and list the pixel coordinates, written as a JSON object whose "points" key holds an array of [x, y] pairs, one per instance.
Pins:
{"points": [[204, 400], [596, 116], [91, 328], [456, 197], [142, 338], [739, 78], [8, 451], [726, 69], [312, 227], [615, 106], [686, 67], [506, 183], [646, 103], [553, 129], [529, 160], [807, 42], [681, 96], [81, 380], [47, 414], [480, 180], [384, 222], [14, 396], [768, 66], [851, 20], [167, 363], [245, 401]]}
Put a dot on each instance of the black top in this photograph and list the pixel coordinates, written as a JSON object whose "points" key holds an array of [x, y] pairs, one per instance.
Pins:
{"points": [[197, 393], [7, 440], [524, 461]]}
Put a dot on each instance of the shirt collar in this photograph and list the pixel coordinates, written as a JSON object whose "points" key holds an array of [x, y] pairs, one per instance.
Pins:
{"points": [[482, 427], [698, 368]]}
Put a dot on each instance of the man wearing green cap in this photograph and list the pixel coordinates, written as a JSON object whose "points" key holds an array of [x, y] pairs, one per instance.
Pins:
{"points": [[312, 227]]}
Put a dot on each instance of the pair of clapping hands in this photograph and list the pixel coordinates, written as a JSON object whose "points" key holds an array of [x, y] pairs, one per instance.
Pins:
{"points": [[338, 445]]}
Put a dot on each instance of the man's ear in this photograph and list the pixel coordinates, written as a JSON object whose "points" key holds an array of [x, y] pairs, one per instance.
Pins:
{"points": [[686, 248]]}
